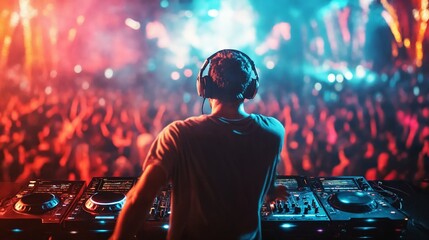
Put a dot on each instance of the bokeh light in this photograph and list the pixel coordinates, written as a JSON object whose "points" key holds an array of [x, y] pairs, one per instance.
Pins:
{"points": [[108, 73], [175, 76]]}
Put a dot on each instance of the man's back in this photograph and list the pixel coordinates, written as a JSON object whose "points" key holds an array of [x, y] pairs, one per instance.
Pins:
{"points": [[220, 165], [222, 173]]}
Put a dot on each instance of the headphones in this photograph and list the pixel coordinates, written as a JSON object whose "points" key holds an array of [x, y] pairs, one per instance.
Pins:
{"points": [[206, 88]]}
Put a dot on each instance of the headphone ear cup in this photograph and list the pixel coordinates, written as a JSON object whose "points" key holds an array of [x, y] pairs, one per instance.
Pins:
{"points": [[205, 87], [252, 89], [208, 87], [200, 87]]}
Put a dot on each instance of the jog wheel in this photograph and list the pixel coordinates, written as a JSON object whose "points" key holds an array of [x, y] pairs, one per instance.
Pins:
{"points": [[36, 203], [356, 202], [105, 202]]}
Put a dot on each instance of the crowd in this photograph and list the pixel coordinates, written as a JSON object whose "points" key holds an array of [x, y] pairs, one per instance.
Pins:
{"points": [[78, 129]]}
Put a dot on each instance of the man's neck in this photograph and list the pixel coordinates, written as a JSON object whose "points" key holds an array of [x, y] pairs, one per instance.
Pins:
{"points": [[230, 110]]}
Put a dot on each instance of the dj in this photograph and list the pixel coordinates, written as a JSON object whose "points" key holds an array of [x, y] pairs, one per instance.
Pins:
{"points": [[221, 165]]}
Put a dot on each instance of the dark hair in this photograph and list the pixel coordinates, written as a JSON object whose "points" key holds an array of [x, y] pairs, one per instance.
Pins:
{"points": [[231, 73]]}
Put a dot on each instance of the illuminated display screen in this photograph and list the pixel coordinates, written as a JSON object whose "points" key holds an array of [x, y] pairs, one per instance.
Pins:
{"points": [[339, 184], [53, 188], [114, 185], [289, 183]]}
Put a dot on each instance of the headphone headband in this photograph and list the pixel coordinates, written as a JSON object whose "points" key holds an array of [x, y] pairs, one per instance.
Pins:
{"points": [[206, 86]]}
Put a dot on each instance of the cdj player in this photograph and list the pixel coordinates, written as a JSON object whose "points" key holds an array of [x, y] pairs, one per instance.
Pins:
{"points": [[37, 209], [356, 210], [94, 214]]}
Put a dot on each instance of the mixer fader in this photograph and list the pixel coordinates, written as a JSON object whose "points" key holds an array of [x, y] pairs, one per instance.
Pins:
{"points": [[300, 215]]}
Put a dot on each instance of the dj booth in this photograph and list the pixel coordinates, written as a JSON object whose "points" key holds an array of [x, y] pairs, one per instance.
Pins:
{"points": [[345, 207]]}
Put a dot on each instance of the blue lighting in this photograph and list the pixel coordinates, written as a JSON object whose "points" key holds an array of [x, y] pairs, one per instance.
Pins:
{"points": [[165, 226], [102, 231], [331, 77], [17, 230], [164, 3], [213, 13], [104, 217], [348, 75], [287, 225], [365, 228], [371, 77], [360, 71]]}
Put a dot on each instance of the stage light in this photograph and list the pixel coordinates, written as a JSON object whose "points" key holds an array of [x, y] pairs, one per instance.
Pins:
{"points": [[180, 64], [360, 71], [213, 13], [164, 3], [80, 19], [175, 76], [318, 86], [215, 18], [102, 102], [339, 78], [371, 77], [270, 64], [108, 73], [77, 68], [348, 75], [14, 20], [48, 90], [407, 42], [416, 91], [157, 30], [133, 24], [331, 77], [188, 73]]}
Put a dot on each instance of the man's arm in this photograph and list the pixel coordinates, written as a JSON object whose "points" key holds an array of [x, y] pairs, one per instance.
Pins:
{"points": [[138, 203]]}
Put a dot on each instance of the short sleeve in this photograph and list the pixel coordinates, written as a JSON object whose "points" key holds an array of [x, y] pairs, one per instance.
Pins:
{"points": [[164, 150]]}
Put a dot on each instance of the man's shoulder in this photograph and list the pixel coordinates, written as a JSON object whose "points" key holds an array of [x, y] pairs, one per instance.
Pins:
{"points": [[189, 122], [270, 125], [268, 120]]}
